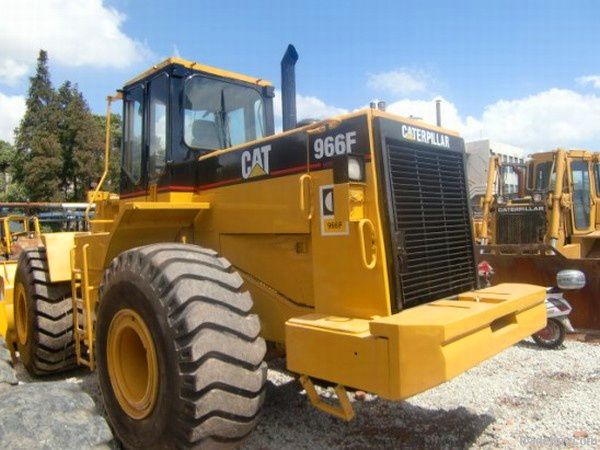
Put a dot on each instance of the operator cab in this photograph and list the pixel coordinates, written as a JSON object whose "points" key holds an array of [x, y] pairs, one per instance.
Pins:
{"points": [[581, 180], [180, 110]]}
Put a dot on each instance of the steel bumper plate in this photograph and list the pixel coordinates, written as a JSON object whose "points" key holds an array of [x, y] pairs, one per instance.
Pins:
{"points": [[406, 353]]}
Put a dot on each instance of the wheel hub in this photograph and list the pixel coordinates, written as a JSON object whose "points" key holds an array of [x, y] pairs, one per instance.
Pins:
{"points": [[132, 364], [21, 314]]}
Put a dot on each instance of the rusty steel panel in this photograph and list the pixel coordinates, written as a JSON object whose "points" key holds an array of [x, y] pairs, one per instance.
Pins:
{"points": [[533, 264]]}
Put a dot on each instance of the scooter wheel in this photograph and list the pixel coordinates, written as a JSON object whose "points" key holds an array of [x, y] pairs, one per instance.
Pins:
{"points": [[552, 336]]}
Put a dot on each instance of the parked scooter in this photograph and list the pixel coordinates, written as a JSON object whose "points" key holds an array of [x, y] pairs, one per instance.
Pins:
{"points": [[558, 309]]}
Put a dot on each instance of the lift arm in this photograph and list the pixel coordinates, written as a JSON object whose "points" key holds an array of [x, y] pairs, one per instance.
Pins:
{"points": [[489, 197]]}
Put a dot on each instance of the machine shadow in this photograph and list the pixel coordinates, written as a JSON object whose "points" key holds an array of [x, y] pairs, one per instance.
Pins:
{"points": [[289, 421], [533, 346]]}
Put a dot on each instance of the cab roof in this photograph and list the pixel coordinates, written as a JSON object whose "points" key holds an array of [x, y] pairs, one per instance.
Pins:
{"points": [[173, 60], [549, 155]]}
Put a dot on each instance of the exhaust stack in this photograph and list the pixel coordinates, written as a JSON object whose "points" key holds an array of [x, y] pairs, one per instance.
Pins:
{"points": [[288, 88], [438, 112]]}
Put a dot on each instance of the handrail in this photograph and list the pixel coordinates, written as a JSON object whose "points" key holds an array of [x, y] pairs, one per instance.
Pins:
{"points": [[367, 264], [305, 180], [92, 200]]}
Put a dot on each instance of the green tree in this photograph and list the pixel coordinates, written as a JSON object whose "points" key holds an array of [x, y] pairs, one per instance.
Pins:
{"points": [[59, 142], [66, 136], [7, 156], [82, 142], [38, 163], [10, 191]]}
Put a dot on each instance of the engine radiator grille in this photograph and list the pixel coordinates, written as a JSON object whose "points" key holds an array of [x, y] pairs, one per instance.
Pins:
{"points": [[431, 212], [525, 225]]}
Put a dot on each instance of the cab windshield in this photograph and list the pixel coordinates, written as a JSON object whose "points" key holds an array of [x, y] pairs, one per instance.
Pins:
{"points": [[219, 114]]}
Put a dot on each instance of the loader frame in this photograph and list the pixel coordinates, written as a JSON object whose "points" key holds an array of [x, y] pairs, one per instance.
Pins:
{"points": [[345, 243]]}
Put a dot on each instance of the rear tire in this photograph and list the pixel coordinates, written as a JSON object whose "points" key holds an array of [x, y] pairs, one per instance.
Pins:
{"points": [[43, 313], [204, 346], [551, 336]]}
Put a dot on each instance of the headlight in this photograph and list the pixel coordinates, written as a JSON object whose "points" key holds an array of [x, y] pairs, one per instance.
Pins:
{"points": [[499, 199], [355, 169], [537, 197], [348, 168]]}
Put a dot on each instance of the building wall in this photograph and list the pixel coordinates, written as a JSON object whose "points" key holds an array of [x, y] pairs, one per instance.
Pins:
{"points": [[478, 156]]}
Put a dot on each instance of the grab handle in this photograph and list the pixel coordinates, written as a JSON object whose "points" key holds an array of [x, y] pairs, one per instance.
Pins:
{"points": [[305, 196], [368, 264]]}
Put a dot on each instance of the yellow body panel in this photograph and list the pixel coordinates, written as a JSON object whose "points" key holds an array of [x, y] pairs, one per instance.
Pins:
{"points": [[7, 272], [403, 354], [340, 263], [58, 248]]}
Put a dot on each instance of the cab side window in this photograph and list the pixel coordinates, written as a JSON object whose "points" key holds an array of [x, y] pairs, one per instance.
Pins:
{"points": [[542, 175], [157, 126], [581, 194], [132, 142]]}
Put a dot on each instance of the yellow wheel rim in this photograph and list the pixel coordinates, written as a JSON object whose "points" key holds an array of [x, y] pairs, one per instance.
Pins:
{"points": [[21, 314], [132, 364]]}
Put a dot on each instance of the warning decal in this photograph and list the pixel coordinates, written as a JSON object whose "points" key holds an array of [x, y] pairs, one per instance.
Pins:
{"points": [[330, 226]]}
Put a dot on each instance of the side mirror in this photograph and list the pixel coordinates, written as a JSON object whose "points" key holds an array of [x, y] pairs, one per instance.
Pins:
{"points": [[570, 279]]}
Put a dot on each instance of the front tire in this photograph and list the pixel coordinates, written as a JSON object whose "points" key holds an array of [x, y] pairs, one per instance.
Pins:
{"points": [[552, 336], [180, 359]]}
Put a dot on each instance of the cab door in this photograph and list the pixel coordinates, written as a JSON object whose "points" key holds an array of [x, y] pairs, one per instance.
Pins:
{"points": [[596, 190], [583, 209], [133, 159], [157, 133]]}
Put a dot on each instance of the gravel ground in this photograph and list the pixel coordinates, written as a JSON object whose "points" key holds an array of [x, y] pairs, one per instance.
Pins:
{"points": [[526, 397], [47, 414]]}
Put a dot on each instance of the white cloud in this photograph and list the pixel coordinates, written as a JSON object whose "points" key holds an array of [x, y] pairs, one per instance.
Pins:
{"points": [[11, 71], [425, 110], [593, 80], [398, 82], [307, 107], [74, 32], [549, 119], [543, 121], [12, 109], [314, 108]]}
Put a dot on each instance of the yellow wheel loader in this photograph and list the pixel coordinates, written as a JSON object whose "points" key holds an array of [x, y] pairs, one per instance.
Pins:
{"points": [[18, 232], [551, 224], [345, 243]]}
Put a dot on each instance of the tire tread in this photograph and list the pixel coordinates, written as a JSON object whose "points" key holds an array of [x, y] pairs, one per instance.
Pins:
{"points": [[217, 336], [52, 349]]}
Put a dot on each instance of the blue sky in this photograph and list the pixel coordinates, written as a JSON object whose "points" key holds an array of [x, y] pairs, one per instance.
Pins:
{"points": [[509, 70]]}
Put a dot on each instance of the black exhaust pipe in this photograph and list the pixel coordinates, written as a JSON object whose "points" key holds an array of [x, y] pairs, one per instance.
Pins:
{"points": [[288, 88]]}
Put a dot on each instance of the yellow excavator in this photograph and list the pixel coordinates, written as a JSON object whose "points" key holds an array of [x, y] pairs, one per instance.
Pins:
{"points": [[345, 243]]}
